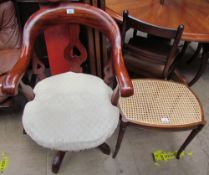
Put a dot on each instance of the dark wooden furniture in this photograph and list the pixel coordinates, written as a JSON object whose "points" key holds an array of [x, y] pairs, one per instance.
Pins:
{"points": [[159, 104], [153, 55], [75, 15], [191, 13]]}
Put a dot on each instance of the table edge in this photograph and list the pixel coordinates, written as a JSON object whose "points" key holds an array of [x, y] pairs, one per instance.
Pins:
{"points": [[202, 38]]}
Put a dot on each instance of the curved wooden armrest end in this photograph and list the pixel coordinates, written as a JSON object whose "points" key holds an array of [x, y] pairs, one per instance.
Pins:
{"points": [[126, 91], [124, 81], [10, 84], [11, 81]]}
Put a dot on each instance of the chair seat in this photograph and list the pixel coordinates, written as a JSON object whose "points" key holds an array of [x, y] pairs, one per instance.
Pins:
{"points": [[159, 103], [71, 112]]}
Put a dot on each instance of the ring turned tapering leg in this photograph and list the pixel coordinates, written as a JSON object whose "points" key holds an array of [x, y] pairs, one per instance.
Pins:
{"points": [[123, 126], [188, 140]]}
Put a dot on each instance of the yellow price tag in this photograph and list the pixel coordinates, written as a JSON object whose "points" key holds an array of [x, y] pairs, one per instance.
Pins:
{"points": [[3, 162], [161, 155]]}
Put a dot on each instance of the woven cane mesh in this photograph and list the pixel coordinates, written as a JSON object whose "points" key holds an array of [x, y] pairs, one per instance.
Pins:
{"points": [[160, 103]]}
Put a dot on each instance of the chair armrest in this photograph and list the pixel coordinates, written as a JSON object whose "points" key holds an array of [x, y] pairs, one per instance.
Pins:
{"points": [[11, 81], [124, 81]]}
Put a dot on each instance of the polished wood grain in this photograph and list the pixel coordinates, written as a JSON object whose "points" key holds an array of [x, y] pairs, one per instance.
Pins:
{"points": [[75, 13], [193, 14]]}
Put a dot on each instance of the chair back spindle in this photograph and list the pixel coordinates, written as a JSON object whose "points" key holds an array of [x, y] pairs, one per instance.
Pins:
{"points": [[165, 34]]}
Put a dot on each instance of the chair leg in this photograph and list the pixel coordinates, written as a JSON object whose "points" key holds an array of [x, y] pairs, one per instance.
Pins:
{"points": [[202, 67], [197, 52], [188, 140], [23, 130], [57, 161], [27, 91], [134, 33], [123, 126], [105, 148], [183, 51]]}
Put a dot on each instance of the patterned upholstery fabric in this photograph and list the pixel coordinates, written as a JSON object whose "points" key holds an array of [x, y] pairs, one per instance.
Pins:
{"points": [[71, 112], [10, 40], [10, 36], [8, 59]]}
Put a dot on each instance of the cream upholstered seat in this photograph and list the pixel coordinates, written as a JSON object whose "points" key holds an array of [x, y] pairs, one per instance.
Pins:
{"points": [[158, 102], [71, 112]]}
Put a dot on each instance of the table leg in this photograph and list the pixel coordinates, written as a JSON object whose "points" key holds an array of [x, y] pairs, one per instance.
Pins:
{"points": [[183, 51], [197, 52], [203, 64]]}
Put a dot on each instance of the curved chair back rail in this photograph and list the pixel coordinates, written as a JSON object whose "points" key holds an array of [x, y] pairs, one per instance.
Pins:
{"points": [[167, 33], [73, 13]]}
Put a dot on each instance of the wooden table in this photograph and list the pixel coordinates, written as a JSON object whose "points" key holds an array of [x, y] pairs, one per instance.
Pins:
{"points": [[193, 14]]}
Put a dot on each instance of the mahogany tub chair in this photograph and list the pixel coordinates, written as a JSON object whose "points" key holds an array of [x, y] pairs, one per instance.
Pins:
{"points": [[151, 56], [72, 111], [160, 104]]}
